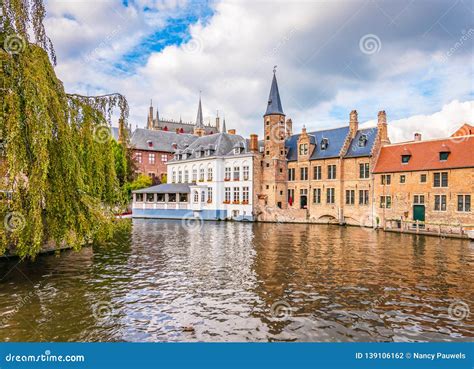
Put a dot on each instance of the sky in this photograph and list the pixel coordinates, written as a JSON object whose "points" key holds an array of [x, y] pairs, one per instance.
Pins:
{"points": [[413, 59]]}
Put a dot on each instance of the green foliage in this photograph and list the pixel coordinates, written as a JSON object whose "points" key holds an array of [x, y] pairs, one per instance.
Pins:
{"points": [[142, 181], [61, 164]]}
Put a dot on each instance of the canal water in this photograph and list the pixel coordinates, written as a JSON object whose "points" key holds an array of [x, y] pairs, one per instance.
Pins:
{"points": [[226, 281]]}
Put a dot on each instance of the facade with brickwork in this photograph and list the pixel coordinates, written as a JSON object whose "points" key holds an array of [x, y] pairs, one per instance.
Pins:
{"points": [[320, 176], [430, 181]]}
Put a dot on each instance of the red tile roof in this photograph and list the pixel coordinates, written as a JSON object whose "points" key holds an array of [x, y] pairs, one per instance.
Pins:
{"points": [[464, 130], [425, 155]]}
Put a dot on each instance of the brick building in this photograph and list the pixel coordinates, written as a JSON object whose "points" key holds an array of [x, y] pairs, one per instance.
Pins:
{"points": [[320, 176], [153, 148], [430, 181]]}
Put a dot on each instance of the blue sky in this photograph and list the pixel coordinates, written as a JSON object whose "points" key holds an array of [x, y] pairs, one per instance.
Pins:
{"points": [[413, 59]]}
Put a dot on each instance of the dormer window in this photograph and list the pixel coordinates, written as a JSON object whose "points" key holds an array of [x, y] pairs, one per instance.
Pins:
{"points": [[444, 152], [149, 143], [324, 143], [406, 156], [363, 141], [304, 149], [443, 155], [198, 153]]}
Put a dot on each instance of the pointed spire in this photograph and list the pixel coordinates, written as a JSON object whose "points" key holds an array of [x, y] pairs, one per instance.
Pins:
{"points": [[274, 102], [199, 121], [224, 129]]}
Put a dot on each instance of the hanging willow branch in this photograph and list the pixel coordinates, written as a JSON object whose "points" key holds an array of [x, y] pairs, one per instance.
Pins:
{"points": [[105, 104], [57, 155], [22, 18]]}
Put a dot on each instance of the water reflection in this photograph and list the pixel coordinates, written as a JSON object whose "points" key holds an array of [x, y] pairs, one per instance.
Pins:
{"points": [[242, 282]]}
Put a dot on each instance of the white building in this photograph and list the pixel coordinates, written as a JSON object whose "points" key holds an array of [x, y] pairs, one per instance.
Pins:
{"points": [[212, 178]]}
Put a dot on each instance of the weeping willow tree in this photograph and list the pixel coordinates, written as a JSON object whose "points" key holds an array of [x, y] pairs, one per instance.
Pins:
{"points": [[57, 159]]}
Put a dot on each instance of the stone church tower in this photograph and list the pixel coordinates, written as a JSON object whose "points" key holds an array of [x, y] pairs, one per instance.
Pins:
{"points": [[274, 171]]}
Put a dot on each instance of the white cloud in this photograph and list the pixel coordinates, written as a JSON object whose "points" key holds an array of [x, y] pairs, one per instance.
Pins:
{"points": [[440, 124], [322, 73]]}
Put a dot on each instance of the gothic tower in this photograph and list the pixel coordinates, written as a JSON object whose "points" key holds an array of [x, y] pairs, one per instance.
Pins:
{"points": [[274, 185]]}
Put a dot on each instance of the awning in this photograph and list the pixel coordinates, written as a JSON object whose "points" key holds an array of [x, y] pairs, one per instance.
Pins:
{"points": [[166, 188]]}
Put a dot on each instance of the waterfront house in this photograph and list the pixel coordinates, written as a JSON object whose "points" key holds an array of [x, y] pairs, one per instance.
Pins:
{"points": [[154, 146], [320, 176], [428, 181], [211, 179]]}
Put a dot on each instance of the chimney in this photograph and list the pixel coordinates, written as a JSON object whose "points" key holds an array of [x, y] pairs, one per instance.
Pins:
{"points": [[382, 127], [253, 143], [289, 127], [231, 131], [417, 136], [218, 128], [353, 123]]}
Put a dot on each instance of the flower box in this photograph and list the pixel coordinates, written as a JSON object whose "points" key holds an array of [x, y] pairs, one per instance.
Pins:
{"points": [[201, 180], [226, 202], [245, 202], [209, 201], [235, 202], [227, 179]]}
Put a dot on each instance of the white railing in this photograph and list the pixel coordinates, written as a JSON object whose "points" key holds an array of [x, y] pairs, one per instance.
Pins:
{"points": [[160, 205]]}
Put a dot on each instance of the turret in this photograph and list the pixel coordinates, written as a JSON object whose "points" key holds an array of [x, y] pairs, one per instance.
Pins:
{"points": [[274, 185], [150, 116], [199, 127]]}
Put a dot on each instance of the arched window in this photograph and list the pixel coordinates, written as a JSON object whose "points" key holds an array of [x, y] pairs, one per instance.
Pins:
{"points": [[201, 174], [203, 196], [209, 173], [196, 197]]}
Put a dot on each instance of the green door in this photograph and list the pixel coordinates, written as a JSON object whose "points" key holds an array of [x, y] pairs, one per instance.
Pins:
{"points": [[419, 212]]}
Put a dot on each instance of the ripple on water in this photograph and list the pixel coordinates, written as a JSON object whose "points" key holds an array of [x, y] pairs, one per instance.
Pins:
{"points": [[166, 283]]}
